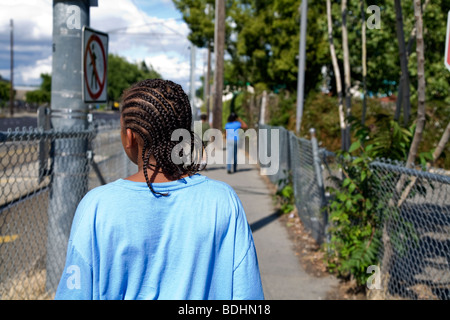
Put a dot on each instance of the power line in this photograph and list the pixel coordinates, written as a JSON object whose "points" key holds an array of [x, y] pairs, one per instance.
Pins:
{"points": [[145, 18], [145, 25], [147, 33]]}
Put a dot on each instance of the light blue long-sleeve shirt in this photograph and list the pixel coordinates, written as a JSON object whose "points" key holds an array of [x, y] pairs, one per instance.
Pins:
{"points": [[127, 243]]}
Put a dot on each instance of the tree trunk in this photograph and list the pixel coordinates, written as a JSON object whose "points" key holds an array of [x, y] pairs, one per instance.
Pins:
{"points": [[387, 225], [208, 85], [437, 152], [347, 74], [440, 147], [364, 61], [337, 76], [219, 49], [412, 37], [404, 80], [420, 86]]}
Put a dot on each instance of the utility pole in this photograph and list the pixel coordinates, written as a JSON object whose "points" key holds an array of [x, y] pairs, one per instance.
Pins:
{"points": [[208, 71], [219, 48], [11, 92], [207, 83], [301, 65], [192, 83], [68, 112]]}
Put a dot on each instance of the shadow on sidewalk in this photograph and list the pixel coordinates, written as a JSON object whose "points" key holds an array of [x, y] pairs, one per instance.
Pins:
{"points": [[264, 221]]}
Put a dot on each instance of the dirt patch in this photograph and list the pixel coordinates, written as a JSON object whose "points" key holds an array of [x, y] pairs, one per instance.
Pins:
{"points": [[26, 286], [308, 251]]}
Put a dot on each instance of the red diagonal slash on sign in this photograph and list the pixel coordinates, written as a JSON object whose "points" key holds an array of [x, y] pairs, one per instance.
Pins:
{"points": [[101, 82]]}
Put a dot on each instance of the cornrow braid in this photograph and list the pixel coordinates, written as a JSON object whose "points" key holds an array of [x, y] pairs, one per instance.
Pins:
{"points": [[154, 109]]}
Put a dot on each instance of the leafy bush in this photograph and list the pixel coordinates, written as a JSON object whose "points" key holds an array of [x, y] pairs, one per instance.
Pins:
{"points": [[354, 223], [285, 194], [354, 214]]}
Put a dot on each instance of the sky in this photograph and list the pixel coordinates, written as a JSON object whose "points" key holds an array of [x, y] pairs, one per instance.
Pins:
{"points": [[149, 30]]}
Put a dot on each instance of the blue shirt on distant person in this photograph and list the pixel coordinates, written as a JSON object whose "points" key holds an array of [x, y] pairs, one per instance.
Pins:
{"points": [[232, 133], [127, 243]]}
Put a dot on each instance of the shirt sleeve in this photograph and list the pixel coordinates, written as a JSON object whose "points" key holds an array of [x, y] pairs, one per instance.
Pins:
{"points": [[246, 278], [76, 280]]}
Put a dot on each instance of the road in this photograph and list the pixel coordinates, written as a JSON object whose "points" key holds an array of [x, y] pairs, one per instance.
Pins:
{"points": [[30, 120]]}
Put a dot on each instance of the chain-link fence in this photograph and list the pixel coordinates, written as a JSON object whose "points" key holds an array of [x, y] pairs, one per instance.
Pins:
{"points": [[302, 162], [414, 207], [43, 176], [415, 254]]}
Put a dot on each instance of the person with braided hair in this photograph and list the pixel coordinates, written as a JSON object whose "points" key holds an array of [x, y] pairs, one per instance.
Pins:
{"points": [[166, 232]]}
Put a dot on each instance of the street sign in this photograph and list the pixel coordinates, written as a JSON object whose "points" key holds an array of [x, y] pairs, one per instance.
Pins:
{"points": [[95, 63], [447, 44]]}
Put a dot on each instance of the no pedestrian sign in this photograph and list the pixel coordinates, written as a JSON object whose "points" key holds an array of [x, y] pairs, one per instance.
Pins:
{"points": [[95, 62]]}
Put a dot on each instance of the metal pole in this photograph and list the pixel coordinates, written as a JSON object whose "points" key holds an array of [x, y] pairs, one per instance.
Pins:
{"points": [[207, 84], [301, 65], [319, 179], [262, 114], [11, 92], [219, 49], [68, 112], [192, 83]]}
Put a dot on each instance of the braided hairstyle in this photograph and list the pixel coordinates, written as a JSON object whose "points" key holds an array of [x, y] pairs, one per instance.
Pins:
{"points": [[154, 109]]}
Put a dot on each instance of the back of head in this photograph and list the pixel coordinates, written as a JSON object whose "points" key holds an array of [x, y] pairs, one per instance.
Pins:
{"points": [[232, 117], [154, 109]]}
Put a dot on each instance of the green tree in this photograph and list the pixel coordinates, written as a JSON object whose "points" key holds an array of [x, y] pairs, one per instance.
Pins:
{"points": [[5, 87], [199, 16], [122, 74], [437, 76], [267, 42], [44, 93]]}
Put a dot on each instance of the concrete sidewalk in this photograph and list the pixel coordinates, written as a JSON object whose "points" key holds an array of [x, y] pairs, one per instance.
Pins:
{"points": [[283, 277]]}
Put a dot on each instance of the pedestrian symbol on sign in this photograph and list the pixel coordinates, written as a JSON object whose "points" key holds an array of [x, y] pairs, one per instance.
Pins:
{"points": [[94, 77]]}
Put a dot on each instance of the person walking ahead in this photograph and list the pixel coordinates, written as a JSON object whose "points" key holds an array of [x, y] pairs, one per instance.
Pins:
{"points": [[166, 232], [232, 136]]}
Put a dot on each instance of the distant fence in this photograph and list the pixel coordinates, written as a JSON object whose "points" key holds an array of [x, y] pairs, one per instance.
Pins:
{"points": [[420, 267], [27, 175], [309, 167]]}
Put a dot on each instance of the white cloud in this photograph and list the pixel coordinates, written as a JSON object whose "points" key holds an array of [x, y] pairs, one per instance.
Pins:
{"points": [[32, 19], [139, 36], [32, 75], [29, 74], [172, 68], [160, 42]]}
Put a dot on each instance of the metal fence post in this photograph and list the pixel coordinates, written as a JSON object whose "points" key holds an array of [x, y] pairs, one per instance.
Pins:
{"points": [[43, 124], [68, 111], [319, 177]]}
